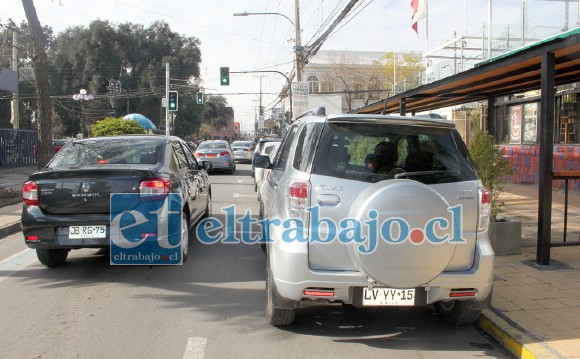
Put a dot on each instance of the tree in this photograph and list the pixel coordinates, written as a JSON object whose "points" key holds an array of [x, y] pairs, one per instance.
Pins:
{"points": [[491, 166], [216, 112], [111, 126], [92, 57], [358, 81], [189, 116], [405, 68], [40, 64], [205, 131]]}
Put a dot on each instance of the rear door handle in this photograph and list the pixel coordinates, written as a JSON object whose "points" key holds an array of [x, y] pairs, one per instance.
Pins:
{"points": [[328, 200]]}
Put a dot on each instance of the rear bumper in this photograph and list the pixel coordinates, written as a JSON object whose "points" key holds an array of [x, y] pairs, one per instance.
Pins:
{"points": [[292, 275], [52, 230], [243, 156], [218, 163]]}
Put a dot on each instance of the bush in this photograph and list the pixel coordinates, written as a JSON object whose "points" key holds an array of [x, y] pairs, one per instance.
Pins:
{"points": [[111, 126], [491, 166]]}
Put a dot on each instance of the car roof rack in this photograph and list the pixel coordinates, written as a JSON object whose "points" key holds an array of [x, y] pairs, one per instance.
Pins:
{"points": [[318, 111]]}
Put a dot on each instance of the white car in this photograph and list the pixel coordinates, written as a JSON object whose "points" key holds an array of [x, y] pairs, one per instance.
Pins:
{"points": [[270, 149]]}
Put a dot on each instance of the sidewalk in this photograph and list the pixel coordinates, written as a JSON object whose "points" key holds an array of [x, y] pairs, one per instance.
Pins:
{"points": [[11, 181], [535, 311]]}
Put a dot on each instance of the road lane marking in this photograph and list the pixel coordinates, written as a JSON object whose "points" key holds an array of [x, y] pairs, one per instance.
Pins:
{"points": [[9, 266], [237, 195], [195, 348]]}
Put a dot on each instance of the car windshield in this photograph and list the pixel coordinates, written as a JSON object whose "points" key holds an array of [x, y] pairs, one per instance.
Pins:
{"points": [[212, 146], [102, 151], [375, 152], [242, 144]]}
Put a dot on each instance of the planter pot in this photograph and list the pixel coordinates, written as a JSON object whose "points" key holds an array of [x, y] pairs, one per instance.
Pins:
{"points": [[506, 237]]}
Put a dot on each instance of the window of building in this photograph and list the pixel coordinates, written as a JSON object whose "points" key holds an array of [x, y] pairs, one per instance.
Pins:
{"points": [[568, 119], [314, 86], [522, 123]]}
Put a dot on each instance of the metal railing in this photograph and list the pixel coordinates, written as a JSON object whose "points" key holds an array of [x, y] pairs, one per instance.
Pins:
{"points": [[17, 148]]}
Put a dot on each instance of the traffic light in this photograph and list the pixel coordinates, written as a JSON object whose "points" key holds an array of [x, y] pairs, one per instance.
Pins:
{"points": [[199, 98], [172, 103], [224, 76]]}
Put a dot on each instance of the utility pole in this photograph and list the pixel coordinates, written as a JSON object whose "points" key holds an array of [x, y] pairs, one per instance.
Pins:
{"points": [[167, 132], [15, 110], [298, 43]]}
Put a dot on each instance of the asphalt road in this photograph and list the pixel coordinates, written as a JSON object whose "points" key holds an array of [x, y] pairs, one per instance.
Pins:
{"points": [[211, 307]]}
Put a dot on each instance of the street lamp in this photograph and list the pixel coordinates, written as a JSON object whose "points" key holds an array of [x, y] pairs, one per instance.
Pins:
{"points": [[83, 96], [296, 26]]}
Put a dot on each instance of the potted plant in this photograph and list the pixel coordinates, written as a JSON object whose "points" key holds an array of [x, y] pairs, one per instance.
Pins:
{"points": [[493, 168]]}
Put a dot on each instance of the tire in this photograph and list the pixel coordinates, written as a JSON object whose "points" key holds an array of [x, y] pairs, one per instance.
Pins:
{"points": [[184, 238], [458, 312], [232, 169], [261, 216], [52, 257], [208, 208], [276, 316]]}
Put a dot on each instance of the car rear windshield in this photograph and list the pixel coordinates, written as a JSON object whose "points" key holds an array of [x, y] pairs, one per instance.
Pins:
{"points": [[243, 144], [373, 152], [100, 151], [212, 146]]}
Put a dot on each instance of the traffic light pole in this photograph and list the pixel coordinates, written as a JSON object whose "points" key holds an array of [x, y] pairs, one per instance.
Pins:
{"points": [[167, 132], [271, 71]]}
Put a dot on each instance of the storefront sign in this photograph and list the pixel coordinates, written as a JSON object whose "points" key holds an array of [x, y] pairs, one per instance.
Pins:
{"points": [[516, 124]]}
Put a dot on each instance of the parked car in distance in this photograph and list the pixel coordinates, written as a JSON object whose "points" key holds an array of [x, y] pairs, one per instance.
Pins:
{"points": [[243, 150], [270, 150], [73, 190], [57, 144], [259, 147], [219, 153], [413, 217]]}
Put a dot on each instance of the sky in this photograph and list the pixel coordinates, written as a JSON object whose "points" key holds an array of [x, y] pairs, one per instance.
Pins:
{"points": [[266, 42]]}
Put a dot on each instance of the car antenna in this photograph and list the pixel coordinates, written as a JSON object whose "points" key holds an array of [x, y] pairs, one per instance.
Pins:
{"points": [[385, 107]]}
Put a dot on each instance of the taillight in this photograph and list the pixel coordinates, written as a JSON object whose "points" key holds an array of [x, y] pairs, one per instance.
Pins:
{"points": [[153, 188], [30, 193], [198, 154], [225, 153], [299, 200], [484, 209]]}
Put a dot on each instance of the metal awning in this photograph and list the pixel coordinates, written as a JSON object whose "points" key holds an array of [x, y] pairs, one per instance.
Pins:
{"points": [[514, 72], [542, 65]]}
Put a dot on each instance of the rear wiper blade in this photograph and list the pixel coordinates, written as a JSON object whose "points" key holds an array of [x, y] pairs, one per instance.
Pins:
{"points": [[419, 173]]}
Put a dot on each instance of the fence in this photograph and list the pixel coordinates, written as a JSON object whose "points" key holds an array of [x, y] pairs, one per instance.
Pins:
{"points": [[17, 148]]}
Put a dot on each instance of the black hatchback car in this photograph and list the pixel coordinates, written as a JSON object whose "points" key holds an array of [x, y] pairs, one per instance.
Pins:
{"points": [[72, 193]]}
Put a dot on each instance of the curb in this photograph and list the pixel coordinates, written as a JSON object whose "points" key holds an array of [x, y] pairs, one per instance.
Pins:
{"points": [[518, 343], [9, 229]]}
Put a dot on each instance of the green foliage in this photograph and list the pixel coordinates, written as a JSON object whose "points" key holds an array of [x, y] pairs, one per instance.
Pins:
{"points": [[206, 131], [111, 126], [216, 112], [89, 57], [360, 147], [491, 166]]}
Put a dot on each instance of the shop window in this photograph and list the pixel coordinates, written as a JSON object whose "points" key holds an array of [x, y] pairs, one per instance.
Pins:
{"points": [[523, 123], [530, 128], [568, 119]]}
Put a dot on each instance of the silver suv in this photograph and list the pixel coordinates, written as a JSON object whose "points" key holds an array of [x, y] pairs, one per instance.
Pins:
{"points": [[372, 210]]}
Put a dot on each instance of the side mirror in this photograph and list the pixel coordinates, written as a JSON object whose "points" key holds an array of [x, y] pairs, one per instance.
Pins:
{"points": [[262, 161], [207, 165]]}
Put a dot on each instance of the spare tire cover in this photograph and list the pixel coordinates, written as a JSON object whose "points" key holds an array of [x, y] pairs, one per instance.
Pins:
{"points": [[402, 255]]}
